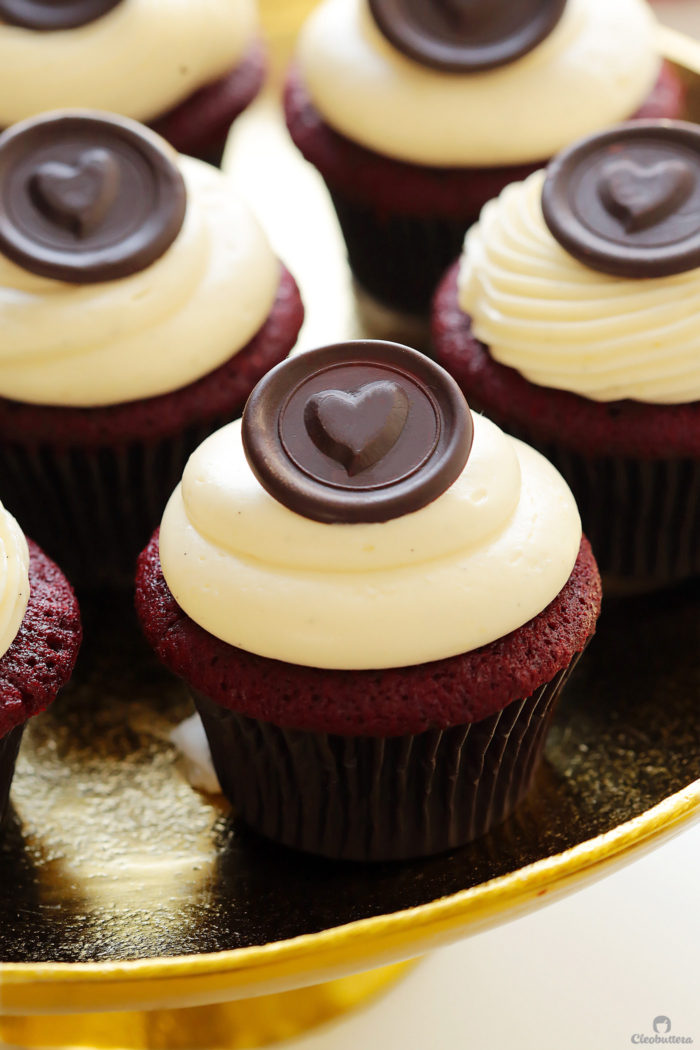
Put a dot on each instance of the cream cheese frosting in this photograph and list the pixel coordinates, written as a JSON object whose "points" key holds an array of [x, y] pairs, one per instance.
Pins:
{"points": [[152, 332], [140, 59], [563, 325], [14, 579], [595, 69], [476, 563]]}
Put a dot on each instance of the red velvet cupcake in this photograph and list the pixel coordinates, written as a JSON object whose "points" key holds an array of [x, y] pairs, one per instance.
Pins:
{"points": [[187, 70], [572, 323], [40, 634], [130, 332], [414, 123], [360, 587]]}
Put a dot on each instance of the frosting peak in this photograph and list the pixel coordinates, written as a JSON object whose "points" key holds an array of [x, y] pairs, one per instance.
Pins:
{"points": [[594, 69], [462, 571], [563, 325], [152, 332], [140, 59]]}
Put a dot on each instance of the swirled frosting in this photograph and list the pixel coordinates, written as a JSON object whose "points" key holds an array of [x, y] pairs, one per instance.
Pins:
{"points": [[140, 59], [563, 325], [594, 69], [14, 579], [466, 569], [152, 332]]}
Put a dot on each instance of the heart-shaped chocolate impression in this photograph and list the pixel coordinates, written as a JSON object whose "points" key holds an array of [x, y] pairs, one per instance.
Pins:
{"points": [[626, 201], [361, 431], [87, 197], [464, 16], [77, 196], [641, 197], [357, 429]]}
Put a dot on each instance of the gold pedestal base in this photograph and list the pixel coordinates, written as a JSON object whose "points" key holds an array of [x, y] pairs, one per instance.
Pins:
{"points": [[229, 1026]]}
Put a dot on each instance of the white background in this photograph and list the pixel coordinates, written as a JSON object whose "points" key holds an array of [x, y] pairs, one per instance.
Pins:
{"points": [[586, 973]]}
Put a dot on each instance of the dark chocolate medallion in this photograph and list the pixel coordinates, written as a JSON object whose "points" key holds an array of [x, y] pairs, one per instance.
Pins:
{"points": [[627, 201], [465, 36], [359, 431], [87, 197], [54, 14]]}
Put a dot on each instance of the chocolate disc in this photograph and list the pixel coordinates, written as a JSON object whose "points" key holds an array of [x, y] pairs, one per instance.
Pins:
{"points": [[86, 197], [359, 431], [464, 36], [627, 201], [54, 14]]}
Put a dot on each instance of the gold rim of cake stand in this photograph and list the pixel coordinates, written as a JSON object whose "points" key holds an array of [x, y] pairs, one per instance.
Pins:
{"points": [[239, 1025], [198, 980]]}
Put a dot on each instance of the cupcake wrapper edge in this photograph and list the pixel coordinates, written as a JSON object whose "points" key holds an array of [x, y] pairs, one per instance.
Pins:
{"points": [[370, 798]]}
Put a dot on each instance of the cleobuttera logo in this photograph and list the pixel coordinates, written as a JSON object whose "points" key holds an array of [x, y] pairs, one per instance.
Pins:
{"points": [[662, 1028]]}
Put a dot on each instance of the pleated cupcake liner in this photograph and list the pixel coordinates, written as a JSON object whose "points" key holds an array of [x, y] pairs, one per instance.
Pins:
{"points": [[642, 517], [379, 799], [9, 749], [94, 509], [398, 259]]}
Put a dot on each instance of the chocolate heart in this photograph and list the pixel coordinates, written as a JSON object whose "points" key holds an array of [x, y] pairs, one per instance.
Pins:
{"points": [[626, 201], [465, 17], [641, 197], [357, 429], [77, 196]]}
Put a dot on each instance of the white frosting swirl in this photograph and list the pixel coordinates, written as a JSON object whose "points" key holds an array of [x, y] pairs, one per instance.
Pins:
{"points": [[563, 325], [140, 59], [152, 332], [468, 568], [594, 69], [14, 579]]}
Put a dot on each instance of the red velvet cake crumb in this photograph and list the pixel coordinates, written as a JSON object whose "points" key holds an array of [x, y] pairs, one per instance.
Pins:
{"points": [[618, 428], [392, 702], [41, 658]]}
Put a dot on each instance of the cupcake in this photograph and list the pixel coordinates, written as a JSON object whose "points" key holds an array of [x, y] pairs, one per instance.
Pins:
{"points": [[140, 302], [375, 600], [186, 69], [40, 635], [417, 114], [571, 320]]}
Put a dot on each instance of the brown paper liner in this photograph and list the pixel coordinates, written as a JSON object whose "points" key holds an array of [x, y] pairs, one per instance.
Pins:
{"points": [[398, 259], [375, 799], [642, 517], [9, 748]]}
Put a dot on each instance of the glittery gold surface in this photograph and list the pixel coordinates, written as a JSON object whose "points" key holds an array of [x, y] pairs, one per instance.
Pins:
{"points": [[111, 857]]}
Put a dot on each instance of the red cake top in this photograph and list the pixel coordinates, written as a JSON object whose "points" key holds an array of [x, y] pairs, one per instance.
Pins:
{"points": [[389, 702], [40, 660]]}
